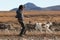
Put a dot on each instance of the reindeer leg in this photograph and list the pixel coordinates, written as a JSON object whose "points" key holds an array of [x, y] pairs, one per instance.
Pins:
{"points": [[49, 30]]}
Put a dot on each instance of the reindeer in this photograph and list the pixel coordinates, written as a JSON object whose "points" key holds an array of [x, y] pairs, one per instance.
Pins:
{"points": [[38, 26], [55, 26], [41, 26], [47, 26], [4, 26], [29, 26]]}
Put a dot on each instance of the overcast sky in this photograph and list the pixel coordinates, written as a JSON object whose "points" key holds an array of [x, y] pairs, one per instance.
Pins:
{"points": [[10, 4]]}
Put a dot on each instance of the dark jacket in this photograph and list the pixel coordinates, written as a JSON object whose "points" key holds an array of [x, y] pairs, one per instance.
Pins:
{"points": [[19, 14]]}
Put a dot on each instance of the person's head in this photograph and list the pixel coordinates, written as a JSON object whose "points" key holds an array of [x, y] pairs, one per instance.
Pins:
{"points": [[21, 7]]}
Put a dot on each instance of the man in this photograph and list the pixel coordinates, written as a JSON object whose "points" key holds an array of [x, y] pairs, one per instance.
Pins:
{"points": [[20, 18]]}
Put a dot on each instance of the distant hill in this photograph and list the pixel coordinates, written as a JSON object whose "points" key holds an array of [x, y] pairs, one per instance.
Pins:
{"points": [[31, 6], [57, 8], [28, 6], [14, 9]]}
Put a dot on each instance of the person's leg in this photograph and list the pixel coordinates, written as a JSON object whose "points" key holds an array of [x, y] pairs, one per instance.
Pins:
{"points": [[23, 29], [22, 25]]}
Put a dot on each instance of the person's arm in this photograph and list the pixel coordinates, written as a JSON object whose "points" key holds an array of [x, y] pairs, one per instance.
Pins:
{"points": [[18, 14]]}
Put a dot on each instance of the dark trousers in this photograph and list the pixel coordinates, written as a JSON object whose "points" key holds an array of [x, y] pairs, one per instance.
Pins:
{"points": [[23, 27]]}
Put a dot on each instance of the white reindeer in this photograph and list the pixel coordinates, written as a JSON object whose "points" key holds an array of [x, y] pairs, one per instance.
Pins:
{"points": [[39, 27], [47, 25]]}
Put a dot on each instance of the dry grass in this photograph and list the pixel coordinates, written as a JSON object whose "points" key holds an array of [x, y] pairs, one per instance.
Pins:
{"points": [[13, 13], [33, 16]]}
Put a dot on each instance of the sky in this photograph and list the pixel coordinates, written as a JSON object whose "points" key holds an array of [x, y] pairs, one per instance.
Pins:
{"points": [[6, 5]]}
